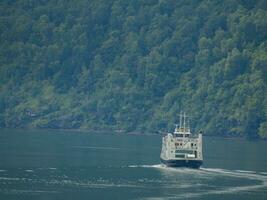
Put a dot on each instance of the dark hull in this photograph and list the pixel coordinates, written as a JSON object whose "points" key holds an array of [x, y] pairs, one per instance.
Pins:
{"points": [[182, 163]]}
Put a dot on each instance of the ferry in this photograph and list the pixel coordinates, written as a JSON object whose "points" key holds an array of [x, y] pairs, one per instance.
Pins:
{"points": [[182, 148]]}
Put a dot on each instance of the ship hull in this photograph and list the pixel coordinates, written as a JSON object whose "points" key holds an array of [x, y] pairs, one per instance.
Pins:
{"points": [[182, 163]]}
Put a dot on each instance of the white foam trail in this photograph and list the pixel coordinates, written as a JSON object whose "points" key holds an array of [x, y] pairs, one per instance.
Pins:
{"points": [[16, 191], [227, 190], [213, 172], [10, 179], [259, 181], [165, 168], [245, 171], [146, 166], [101, 183], [29, 170], [210, 171], [236, 173]]}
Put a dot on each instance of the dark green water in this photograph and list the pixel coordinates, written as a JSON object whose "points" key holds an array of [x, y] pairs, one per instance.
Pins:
{"points": [[71, 165]]}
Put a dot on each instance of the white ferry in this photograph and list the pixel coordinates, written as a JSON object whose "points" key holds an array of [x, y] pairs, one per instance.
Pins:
{"points": [[181, 148]]}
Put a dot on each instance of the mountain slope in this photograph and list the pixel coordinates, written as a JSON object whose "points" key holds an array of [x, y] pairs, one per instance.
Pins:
{"points": [[133, 65]]}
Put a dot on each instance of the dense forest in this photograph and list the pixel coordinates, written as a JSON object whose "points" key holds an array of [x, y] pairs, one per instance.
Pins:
{"points": [[133, 65]]}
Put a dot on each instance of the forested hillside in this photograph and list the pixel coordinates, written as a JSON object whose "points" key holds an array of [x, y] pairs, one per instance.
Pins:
{"points": [[132, 65]]}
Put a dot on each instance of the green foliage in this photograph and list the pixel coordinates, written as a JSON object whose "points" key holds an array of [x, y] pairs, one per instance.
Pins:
{"points": [[133, 65], [263, 130]]}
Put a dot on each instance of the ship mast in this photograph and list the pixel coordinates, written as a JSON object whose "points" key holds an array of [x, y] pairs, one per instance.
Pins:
{"points": [[184, 125], [180, 126], [188, 125], [184, 122]]}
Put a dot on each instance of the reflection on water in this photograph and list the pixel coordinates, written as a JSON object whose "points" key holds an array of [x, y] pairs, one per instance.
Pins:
{"points": [[199, 179], [173, 183], [81, 166]]}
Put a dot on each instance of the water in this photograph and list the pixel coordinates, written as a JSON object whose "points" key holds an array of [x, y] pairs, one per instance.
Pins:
{"points": [[72, 165]]}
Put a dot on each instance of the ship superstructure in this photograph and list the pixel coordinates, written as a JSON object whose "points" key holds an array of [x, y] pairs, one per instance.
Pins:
{"points": [[181, 148]]}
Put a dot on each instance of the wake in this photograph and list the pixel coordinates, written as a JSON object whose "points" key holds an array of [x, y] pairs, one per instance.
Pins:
{"points": [[259, 179]]}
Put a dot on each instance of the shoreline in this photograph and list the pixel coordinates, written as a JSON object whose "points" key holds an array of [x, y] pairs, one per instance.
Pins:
{"points": [[122, 132]]}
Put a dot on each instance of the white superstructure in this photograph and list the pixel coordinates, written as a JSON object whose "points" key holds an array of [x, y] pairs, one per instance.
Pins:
{"points": [[181, 148]]}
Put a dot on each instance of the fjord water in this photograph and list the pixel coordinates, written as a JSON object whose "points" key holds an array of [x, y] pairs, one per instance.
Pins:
{"points": [[73, 165]]}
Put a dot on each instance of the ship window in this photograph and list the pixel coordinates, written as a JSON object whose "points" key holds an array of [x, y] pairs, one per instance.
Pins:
{"points": [[179, 135], [180, 156], [184, 151]]}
